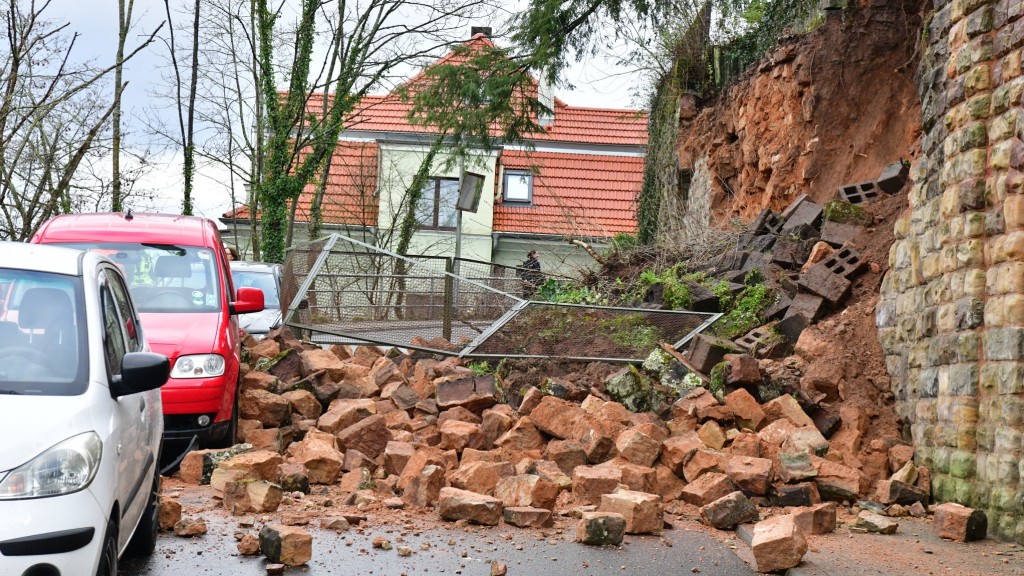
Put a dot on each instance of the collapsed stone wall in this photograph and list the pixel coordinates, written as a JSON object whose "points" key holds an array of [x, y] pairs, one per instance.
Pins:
{"points": [[823, 110], [951, 315]]}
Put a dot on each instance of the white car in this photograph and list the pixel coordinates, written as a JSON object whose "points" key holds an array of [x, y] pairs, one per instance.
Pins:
{"points": [[80, 415]]}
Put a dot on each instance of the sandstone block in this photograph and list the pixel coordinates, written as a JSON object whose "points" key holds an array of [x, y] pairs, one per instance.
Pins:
{"points": [[423, 457], [244, 496], [495, 424], [641, 511], [712, 435], [589, 483], [751, 475], [269, 408], [703, 461], [786, 406], [258, 465], [707, 489], [805, 494], [896, 492], [457, 435], [425, 488], [637, 447], [319, 456], [567, 454], [294, 478], [455, 504], [835, 481], [955, 522], [748, 412], [868, 521], [396, 455], [777, 544], [743, 371], [168, 513], [818, 519], [677, 450], [264, 439], [190, 527], [527, 490], [633, 476], [729, 511], [522, 436], [557, 417], [690, 404], [370, 436], [531, 399], [474, 394], [601, 529], [319, 359], [807, 439], [249, 545], [289, 545], [526, 517], [303, 402], [667, 484], [345, 412]]}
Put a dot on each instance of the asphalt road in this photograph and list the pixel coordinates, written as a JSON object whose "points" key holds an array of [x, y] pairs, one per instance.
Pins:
{"points": [[453, 550]]}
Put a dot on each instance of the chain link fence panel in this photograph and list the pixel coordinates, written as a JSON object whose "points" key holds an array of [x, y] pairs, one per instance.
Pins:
{"points": [[344, 290]]}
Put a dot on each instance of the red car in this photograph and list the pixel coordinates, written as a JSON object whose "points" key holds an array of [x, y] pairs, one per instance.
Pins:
{"points": [[179, 279]]}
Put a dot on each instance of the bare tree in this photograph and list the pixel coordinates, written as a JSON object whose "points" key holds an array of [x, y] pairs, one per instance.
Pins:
{"points": [[52, 117]]}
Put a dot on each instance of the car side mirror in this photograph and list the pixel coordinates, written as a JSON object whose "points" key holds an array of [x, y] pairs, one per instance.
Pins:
{"points": [[140, 371], [247, 300]]}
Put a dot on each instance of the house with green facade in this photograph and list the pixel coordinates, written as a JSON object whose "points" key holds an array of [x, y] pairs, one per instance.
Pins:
{"points": [[578, 179]]}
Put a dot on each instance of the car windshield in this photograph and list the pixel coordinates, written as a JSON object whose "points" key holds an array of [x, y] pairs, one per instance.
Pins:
{"points": [[262, 280], [164, 277], [43, 345]]}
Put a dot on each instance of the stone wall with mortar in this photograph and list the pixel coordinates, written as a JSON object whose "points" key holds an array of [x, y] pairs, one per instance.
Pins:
{"points": [[951, 314]]}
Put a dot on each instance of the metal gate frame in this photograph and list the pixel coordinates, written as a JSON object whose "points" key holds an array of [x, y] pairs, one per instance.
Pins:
{"points": [[519, 305]]}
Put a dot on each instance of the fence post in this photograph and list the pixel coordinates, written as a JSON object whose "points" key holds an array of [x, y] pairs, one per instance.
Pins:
{"points": [[449, 298]]}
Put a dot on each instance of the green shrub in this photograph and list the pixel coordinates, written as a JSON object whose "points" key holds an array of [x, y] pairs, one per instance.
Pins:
{"points": [[569, 292], [743, 312], [480, 368], [846, 213]]}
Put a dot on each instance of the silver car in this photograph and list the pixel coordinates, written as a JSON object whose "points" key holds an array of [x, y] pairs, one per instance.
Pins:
{"points": [[266, 277]]}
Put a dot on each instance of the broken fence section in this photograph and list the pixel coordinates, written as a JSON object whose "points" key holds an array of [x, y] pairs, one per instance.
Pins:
{"points": [[343, 290]]}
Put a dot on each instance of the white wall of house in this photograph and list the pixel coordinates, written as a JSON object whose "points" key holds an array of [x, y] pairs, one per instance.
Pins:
{"points": [[556, 255], [399, 164]]}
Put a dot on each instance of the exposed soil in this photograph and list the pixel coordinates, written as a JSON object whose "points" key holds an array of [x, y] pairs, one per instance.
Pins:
{"points": [[825, 109], [578, 378], [586, 332]]}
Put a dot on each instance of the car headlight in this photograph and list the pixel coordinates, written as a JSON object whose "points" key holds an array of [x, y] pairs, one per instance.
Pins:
{"points": [[198, 366], [65, 468]]}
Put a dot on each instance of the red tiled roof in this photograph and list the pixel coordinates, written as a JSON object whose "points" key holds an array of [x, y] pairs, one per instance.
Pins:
{"points": [[389, 113], [573, 194], [351, 195], [572, 124]]}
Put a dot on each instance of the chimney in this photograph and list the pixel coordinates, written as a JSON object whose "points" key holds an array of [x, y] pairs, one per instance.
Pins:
{"points": [[485, 30], [546, 98]]}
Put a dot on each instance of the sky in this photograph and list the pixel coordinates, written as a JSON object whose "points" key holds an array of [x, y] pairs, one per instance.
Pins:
{"points": [[597, 83]]}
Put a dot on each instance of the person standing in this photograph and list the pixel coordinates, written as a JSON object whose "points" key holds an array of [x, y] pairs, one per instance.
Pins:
{"points": [[529, 272]]}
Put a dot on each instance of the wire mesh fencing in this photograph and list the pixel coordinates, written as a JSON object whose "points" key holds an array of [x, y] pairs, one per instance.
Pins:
{"points": [[368, 294], [344, 290], [580, 332]]}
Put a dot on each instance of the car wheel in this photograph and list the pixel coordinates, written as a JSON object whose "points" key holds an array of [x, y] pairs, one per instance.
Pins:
{"points": [[108, 554], [144, 539], [230, 435]]}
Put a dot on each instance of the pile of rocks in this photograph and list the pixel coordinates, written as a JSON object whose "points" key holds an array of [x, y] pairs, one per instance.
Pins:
{"points": [[805, 254], [415, 431]]}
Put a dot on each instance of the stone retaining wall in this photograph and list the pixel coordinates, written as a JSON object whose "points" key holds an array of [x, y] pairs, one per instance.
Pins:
{"points": [[951, 316]]}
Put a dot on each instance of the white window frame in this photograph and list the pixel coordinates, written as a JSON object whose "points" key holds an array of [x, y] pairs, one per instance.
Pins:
{"points": [[505, 186]]}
